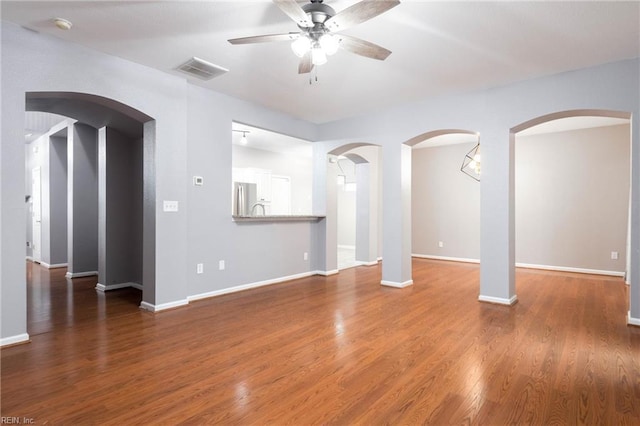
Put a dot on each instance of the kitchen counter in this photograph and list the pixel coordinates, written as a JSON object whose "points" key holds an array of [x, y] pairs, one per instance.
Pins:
{"points": [[277, 218]]}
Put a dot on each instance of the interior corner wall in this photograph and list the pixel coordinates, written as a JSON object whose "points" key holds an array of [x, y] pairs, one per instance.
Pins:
{"points": [[572, 198], [445, 204]]}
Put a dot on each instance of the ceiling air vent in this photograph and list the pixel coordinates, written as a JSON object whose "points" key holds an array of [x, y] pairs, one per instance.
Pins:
{"points": [[201, 69]]}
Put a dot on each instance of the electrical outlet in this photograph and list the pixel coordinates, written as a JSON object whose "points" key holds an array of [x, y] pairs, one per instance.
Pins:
{"points": [[170, 206], [200, 268], [440, 244], [614, 255], [221, 265], [306, 256]]}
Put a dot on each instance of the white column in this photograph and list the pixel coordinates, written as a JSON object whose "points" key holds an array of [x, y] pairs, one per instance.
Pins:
{"points": [[396, 216], [497, 219]]}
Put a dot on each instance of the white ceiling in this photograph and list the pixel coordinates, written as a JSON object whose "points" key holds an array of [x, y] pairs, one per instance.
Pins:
{"points": [[438, 47]]}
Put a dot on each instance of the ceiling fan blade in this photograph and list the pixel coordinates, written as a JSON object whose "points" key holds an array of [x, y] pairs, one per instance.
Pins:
{"points": [[295, 12], [306, 65], [265, 38], [358, 13], [363, 47]]}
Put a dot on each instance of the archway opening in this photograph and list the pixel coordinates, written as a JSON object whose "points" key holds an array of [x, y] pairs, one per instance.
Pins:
{"points": [[106, 154], [572, 192], [445, 203], [354, 181]]}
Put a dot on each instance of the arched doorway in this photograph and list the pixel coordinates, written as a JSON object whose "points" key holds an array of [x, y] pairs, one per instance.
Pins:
{"points": [[445, 202], [111, 189], [581, 200], [353, 198]]}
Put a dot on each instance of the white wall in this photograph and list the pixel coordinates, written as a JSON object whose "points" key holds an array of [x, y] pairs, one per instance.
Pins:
{"points": [[298, 168]]}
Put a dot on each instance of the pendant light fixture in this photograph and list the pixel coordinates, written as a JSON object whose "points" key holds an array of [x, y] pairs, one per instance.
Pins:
{"points": [[471, 164]]}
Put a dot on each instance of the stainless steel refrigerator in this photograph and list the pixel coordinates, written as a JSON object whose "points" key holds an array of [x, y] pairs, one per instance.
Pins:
{"points": [[245, 196]]}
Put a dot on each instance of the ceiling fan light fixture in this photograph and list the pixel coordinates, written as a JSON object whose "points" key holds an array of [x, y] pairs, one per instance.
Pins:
{"points": [[301, 46], [329, 43], [318, 57]]}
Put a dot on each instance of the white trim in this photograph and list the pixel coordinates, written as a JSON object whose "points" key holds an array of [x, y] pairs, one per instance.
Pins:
{"points": [[163, 306], [379, 258], [395, 284], [326, 273], [343, 246], [14, 340], [30, 259], [570, 269], [103, 288], [447, 258], [631, 320], [498, 300], [80, 274], [248, 286], [54, 266]]}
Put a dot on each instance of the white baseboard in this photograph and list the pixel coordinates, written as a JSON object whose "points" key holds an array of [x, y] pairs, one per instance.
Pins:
{"points": [[163, 306], [248, 286], [342, 246], [396, 284], [631, 320], [103, 288], [14, 340], [54, 265], [498, 300], [570, 269], [326, 273], [361, 263], [80, 274], [447, 258], [29, 259]]}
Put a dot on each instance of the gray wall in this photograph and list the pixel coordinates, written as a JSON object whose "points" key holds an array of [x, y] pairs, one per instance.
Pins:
{"points": [[193, 133], [572, 198], [253, 252], [445, 203], [82, 212], [58, 200], [571, 192], [120, 208]]}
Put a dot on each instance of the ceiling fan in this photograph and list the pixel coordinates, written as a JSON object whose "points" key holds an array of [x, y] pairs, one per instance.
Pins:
{"points": [[318, 24]]}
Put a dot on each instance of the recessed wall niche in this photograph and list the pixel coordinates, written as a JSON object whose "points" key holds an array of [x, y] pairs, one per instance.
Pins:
{"points": [[272, 173]]}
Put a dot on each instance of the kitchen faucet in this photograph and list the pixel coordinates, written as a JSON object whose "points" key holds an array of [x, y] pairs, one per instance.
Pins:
{"points": [[253, 208]]}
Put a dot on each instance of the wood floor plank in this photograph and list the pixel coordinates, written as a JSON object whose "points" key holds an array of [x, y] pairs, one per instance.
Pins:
{"points": [[330, 350]]}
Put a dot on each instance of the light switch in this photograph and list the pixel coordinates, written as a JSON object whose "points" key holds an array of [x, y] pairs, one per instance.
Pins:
{"points": [[170, 206], [614, 255], [198, 180], [221, 265]]}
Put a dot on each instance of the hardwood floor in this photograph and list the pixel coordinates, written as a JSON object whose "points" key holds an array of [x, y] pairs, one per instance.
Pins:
{"points": [[339, 350]]}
